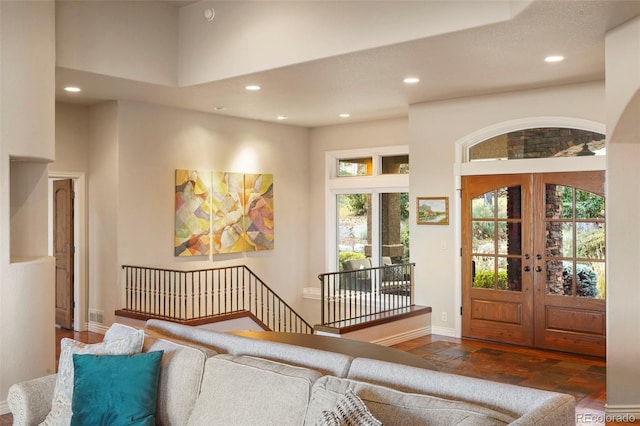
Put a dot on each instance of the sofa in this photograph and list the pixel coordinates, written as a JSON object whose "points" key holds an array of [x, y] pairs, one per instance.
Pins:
{"points": [[212, 378]]}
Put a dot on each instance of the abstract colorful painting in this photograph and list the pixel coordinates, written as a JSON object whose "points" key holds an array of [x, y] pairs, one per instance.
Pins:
{"points": [[258, 211], [223, 212], [192, 213], [227, 212]]}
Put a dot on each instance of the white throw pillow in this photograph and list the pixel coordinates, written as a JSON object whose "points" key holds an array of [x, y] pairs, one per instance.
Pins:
{"points": [[61, 406], [118, 331], [349, 410]]}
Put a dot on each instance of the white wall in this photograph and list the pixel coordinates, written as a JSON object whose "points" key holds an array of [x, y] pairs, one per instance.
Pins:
{"points": [[72, 138], [28, 79], [434, 129], [28, 318], [27, 345], [28, 210], [4, 227], [134, 151], [137, 40], [623, 205], [102, 188]]}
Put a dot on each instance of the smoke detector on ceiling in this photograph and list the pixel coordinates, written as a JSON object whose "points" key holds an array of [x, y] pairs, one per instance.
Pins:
{"points": [[209, 14]]}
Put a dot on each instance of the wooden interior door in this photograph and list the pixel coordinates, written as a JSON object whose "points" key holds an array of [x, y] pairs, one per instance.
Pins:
{"points": [[569, 265], [497, 293], [534, 260], [63, 250]]}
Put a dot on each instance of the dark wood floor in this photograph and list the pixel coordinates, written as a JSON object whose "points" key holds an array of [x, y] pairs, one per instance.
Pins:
{"points": [[583, 377]]}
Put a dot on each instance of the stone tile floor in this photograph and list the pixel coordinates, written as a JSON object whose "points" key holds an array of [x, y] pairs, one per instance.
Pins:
{"points": [[581, 376]]}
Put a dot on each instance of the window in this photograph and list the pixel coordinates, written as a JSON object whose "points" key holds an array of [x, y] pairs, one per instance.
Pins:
{"points": [[354, 226], [355, 167], [544, 142], [356, 230], [368, 211], [395, 164]]}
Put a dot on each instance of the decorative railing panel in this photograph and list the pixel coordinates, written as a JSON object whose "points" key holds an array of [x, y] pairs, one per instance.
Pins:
{"points": [[356, 294], [203, 293]]}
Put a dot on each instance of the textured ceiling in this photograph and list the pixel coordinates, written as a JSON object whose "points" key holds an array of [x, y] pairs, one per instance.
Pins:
{"points": [[501, 57]]}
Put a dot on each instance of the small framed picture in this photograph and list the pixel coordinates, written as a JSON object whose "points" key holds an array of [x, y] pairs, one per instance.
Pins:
{"points": [[432, 210]]}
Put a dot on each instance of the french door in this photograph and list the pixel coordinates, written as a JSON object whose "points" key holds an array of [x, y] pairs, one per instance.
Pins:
{"points": [[533, 260]]}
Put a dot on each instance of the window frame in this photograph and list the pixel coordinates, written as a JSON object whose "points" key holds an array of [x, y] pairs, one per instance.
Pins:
{"points": [[375, 184]]}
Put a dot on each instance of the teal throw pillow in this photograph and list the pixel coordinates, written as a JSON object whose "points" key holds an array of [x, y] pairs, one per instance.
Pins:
{"points": [[115, 390]]}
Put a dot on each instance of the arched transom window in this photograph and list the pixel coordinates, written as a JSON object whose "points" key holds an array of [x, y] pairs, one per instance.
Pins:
{"points": [[543, 142]]}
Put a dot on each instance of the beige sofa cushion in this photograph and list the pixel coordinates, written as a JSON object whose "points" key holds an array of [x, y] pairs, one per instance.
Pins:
{"points": [[181, 373], [528, 405], [326, 362], [242, 390], [393, 407]]}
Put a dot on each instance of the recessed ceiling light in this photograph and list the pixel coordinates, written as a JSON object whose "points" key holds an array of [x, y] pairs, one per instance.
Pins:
{"points": [[282, 117], [253, 87], [72, 89], [411, 80], [554, 58], [219, 108], [344, 115]]}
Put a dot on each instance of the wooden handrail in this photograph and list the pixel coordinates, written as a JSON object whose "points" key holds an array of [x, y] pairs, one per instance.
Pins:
{"points": [[198, 294]]}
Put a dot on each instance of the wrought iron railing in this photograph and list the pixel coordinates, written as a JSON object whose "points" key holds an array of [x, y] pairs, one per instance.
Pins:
{"points": [[352, 295], [203, 293]]}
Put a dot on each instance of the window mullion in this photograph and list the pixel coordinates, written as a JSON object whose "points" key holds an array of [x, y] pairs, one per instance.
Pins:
{"points": [[375, 227]]}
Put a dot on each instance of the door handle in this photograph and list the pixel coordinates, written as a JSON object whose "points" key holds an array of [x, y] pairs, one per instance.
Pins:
{"points": [[538, 268], [538, 256], [527, 269]]}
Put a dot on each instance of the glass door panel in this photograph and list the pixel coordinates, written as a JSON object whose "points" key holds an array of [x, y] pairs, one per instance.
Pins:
{"points": [[354, 226], [513, 273], [575, 240], [484, 272], [559, 242], [509, 202], [497, 239], [394, 227]]}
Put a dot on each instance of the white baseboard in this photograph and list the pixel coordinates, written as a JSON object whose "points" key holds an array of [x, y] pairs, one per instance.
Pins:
{"points": [[622, 413], [311, 293], [4, 408], [443, 331], [96, 327], [403, 337]]}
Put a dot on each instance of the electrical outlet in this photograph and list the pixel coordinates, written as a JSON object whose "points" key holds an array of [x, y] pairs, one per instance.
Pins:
{"points": [[444, 317]]}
